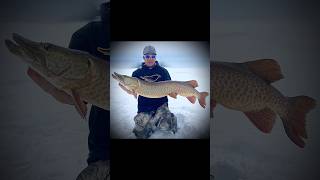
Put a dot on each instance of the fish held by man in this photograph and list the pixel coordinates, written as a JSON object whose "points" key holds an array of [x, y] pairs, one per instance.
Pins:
{"points": [[71, 72], [159, 89], [247, 87]]}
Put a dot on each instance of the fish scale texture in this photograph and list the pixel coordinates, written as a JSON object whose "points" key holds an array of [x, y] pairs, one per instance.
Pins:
{"points": [[163, 88], [244, 91], [97, 90]]}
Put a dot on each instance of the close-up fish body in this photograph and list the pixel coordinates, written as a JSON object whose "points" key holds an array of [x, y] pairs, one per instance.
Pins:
{"points": [[162, 88], [247, 87], [72, 71]]}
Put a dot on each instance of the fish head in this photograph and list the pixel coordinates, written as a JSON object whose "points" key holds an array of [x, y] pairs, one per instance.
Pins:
{"points": [[131, 83], [48, 59]]}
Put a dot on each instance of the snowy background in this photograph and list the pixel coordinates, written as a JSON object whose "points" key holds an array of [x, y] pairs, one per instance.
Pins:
{"points": [[286, 31], [184, 61], [40, 138]]}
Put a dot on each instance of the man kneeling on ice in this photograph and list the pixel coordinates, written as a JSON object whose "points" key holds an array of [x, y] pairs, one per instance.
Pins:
{"points": [[153, 113]]}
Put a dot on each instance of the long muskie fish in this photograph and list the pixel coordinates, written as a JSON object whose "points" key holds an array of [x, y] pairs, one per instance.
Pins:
{"points": [[77, 73], [247, 87], [162, 88]]}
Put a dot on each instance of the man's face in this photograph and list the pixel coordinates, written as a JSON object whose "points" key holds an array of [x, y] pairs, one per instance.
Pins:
{"points": [[149, 59]]}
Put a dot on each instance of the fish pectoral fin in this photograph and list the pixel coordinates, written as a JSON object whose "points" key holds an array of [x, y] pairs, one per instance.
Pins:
{"points": [[48, 87], [267, 69], [263, 119], [80, 106], [192, 83], [173, 95], [192, 99]]}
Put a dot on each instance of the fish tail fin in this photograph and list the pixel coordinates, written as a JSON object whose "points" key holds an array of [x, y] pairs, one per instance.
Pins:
{"points": [[202, 99], [294, 121]]}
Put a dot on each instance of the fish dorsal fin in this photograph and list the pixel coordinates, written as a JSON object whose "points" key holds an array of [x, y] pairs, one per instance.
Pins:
{"points": [[263, 119], [267, 69], [192, 83]]}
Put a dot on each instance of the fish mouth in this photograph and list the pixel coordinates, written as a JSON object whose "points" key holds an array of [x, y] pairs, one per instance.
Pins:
{"points": [[118, 77], [35, 54], [24, 42], [25, 48], [20, 42], [14, 48]]}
